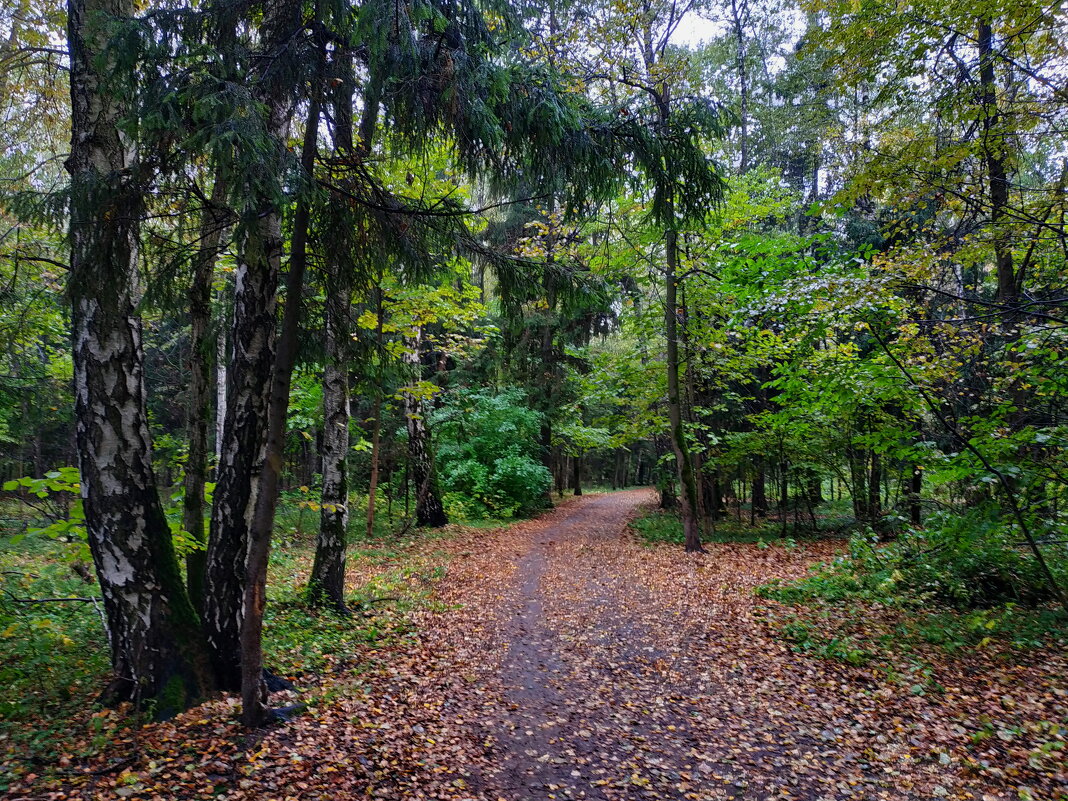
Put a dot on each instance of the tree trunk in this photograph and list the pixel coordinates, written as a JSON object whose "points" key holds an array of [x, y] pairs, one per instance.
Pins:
{"points": [[212, 226], [221, 361], [815, 488], [739, 15], [784, 486], [915, 492], [242, 464], [428, 508], [875, 483], [688, 501], [997, 174], [244, 442], [713, 492], [759, 502], [859, 479], [668, 498], [576, 474], [253, 692], [327, 584], [548, 371], [157, 649], [376, 425], [372, 487]]}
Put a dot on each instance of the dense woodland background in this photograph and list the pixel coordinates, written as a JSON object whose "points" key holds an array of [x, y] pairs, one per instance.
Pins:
{"points": [[334, 272]]}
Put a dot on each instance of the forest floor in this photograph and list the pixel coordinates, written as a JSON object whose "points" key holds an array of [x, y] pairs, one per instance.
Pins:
{"points": [[561, 658]]}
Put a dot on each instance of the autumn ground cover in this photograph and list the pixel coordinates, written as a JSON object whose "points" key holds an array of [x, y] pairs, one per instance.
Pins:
{"points": [[562, 658]]}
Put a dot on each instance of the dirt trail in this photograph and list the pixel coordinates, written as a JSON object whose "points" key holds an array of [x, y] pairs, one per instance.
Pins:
{"points": [[627, 675], [577, 666]]}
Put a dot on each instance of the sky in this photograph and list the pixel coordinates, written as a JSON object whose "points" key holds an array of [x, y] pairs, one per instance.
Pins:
{"points": [[693, 30]]}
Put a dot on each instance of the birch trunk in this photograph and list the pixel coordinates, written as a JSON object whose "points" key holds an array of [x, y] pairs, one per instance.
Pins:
{"points": [[428, 508], [220, 389], [156, 647], [244, 441], [212, 226], [327, 584], [253, 691]]}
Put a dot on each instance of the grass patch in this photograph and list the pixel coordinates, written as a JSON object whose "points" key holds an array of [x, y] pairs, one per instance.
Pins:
{"points": [[50, 653], [911, 600], [54, 658], [660, 526], [805, 637]]}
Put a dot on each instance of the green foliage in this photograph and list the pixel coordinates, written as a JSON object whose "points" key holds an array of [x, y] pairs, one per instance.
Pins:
{"points": [[971, 561], [57, 497], [487, 454], [661, 526], [806, 638], [51, 659]]}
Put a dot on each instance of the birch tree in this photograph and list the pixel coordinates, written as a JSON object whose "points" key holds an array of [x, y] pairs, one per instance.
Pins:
{"points": [[157, 648]]}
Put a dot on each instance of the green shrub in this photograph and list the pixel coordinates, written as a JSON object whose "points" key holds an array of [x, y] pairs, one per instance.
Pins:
{"points": [[970, 561], [663, 526], [52, 654], [487, 455], [659, 526], [804, 638], [520, 484]]}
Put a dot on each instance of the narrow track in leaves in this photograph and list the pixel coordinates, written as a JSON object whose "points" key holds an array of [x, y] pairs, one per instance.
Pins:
{"points": [[616, 682], [621, 671]]}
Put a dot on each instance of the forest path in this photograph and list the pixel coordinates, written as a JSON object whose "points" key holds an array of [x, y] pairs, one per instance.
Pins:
{"points": [[593, 703], [561, 659], [619, 671]]}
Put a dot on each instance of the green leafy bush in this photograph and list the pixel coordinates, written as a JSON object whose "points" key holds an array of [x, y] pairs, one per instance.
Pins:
{"points": [[665, 526], [57, 499], [659, 526], [970, 561], [487, 454]]}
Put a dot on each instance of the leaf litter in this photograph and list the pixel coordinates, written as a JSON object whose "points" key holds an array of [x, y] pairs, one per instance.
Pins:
{"points": [[562, 659]]}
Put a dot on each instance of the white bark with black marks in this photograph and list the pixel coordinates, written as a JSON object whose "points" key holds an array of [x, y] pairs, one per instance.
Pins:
{"points": [[327, 584], [252, 365], [156, 647], [428, 507]]}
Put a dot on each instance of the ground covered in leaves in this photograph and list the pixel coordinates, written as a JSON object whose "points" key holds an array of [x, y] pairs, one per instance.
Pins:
{"points": [[563, 659]]}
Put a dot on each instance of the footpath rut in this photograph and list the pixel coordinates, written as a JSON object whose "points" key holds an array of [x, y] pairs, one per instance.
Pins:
{"points": [[626, 672], [577, 671]]}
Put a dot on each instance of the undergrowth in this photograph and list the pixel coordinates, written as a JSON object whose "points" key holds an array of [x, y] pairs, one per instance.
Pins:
{"points": [[961, 584], [54, 655], [660, 526]]}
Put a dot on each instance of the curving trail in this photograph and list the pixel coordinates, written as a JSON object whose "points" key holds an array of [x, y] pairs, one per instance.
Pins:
{"points": [[617, 671]]}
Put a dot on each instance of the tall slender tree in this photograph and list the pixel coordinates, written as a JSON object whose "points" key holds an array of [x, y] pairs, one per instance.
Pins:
{"points": [[157, 649], [429, 510], [239, 475]]}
